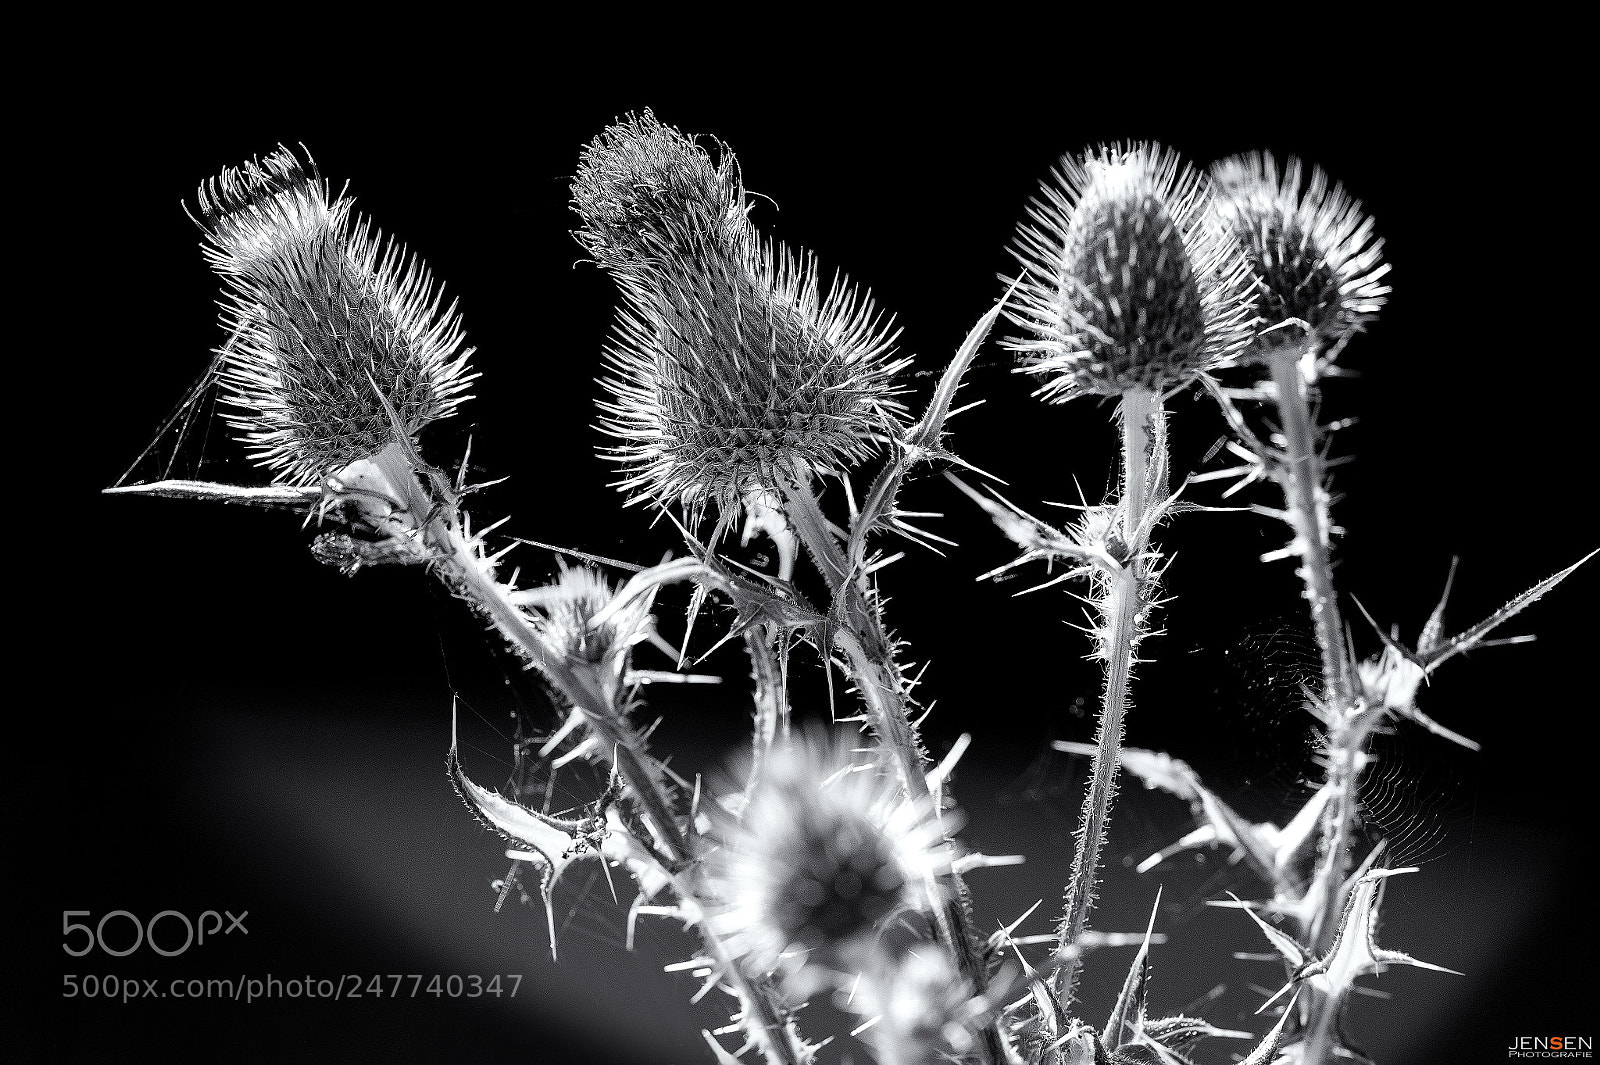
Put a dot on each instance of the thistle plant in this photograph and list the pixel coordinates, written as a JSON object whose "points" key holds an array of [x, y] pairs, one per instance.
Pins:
{"points": [[336, 359], [736, 382], [743, 390], [1128, 293], [1319, 271], [1142, 277]]}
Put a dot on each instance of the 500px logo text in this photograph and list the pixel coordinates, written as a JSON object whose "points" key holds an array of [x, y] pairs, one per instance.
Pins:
{"points": [[193, 932]]}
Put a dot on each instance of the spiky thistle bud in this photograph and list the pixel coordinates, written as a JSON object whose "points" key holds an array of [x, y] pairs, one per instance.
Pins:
{"points": [[328, 323], [824, 853], [577, 620], [641, 182], [1309, 245], [732, 371], [1126, 285]]}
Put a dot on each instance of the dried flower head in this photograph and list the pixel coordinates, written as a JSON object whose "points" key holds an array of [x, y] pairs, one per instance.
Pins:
{"points": [[733, 374], [1126, 284], [824, 853], [328, 323], [641, 184], [1309, 245]]}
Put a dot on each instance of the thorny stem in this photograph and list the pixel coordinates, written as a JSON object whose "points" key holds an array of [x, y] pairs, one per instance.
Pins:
{"points": [[1346, 757], [1307, 505], [1344, 754], [1136, 409], [1307, 500], [1123, 605], [765, 1017], [859, 632], [1319, 1038], [640, 773]]}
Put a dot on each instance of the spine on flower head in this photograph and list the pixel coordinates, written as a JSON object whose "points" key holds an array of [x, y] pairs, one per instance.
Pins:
{"points": [[331, 328], [1126, 284], [1311, 249], [733, 370]]}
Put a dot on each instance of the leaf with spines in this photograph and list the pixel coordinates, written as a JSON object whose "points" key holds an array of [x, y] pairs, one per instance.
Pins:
{"points": [[551, 843], [1392, 678], [1126, 1022], [1354, 952], [1271, 852]]}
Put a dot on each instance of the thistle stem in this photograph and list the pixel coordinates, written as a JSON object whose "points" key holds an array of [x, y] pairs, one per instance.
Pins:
{"points": [[1349, 727], [860, 633], [764, 1016], [1307, 500], [771, 702], [1136, 409], [1123, 604], [640, 773]]}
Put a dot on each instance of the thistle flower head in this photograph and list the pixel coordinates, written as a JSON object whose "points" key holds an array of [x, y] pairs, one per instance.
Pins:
{"points": [[824, 853], [1308, 244], [925, 1011], [641, 183], [331, 329], [734, 374], [1126, 284]]}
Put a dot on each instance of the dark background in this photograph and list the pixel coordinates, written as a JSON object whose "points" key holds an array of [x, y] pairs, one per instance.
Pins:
{"points": [[227, 725]]}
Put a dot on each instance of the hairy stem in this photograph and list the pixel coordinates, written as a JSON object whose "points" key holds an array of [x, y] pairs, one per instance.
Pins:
{"points": [[771, 702], [1122, 605], [869, 652], [1349, 727], [1307, 505], [1306, 499]]}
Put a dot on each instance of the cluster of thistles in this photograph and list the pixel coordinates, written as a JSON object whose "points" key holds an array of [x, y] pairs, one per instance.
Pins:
{"points": [[740, 385]]}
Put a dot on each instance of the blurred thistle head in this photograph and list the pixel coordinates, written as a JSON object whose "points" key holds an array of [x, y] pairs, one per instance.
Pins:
{"points": [[335, 336], [925, 1010], [1309, 245], [733, 373], [821, 858], [1126, 285], [641, 184]]}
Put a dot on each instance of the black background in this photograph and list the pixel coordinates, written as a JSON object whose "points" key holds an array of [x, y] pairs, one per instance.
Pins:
{"points": [[227, 725]]}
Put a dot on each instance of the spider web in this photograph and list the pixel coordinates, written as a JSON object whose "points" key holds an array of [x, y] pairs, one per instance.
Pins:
{"points": [[191, 442], [1412, 794]]}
